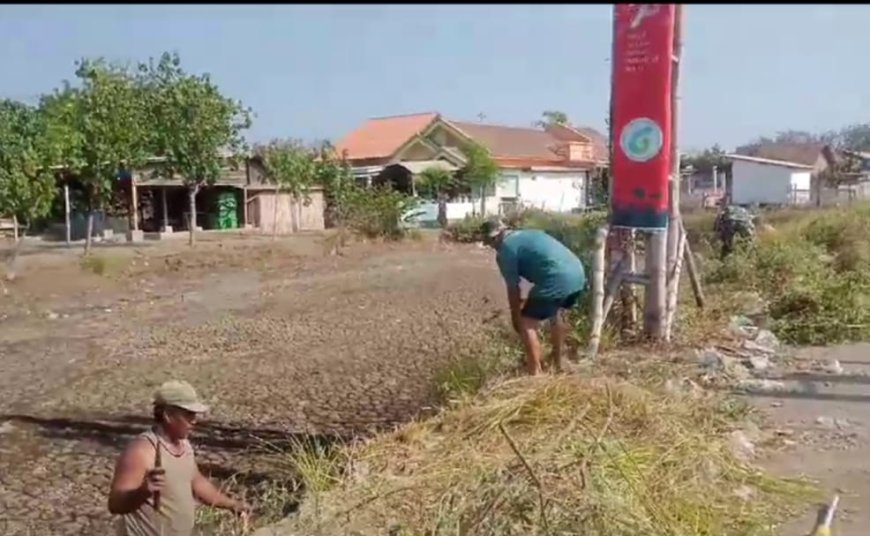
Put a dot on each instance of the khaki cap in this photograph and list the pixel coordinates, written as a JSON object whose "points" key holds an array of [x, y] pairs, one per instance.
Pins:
{"points": [[179, 394]]}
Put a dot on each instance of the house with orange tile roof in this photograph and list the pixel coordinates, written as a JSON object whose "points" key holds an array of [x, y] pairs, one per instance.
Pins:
{"points": [[543, 168]]}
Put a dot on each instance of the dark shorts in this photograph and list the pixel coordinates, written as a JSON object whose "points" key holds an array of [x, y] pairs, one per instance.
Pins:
{"points": [[543, 309]]}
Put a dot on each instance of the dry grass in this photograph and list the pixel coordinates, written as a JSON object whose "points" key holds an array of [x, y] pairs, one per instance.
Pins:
{"points": [[551, 455]]}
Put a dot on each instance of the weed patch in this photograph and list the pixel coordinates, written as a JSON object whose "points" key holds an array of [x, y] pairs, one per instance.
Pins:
{"points": [[103, 265], [813, 273]]}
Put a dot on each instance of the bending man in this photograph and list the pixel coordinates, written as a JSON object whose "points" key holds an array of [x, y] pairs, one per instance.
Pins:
{"points": [[558, 278]]}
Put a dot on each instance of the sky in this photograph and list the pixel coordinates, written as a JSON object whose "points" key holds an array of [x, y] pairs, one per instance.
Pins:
{"points": [[316, 72]]}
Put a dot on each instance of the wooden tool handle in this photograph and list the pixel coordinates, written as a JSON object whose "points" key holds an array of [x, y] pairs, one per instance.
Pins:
{"points": [[158, 464]]}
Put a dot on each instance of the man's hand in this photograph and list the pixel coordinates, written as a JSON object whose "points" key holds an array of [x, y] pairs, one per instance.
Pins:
{"points": [[242, 509], [154, 481]]}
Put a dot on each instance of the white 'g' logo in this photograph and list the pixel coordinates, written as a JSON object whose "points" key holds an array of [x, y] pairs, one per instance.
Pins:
{"points": [[641, 139]]}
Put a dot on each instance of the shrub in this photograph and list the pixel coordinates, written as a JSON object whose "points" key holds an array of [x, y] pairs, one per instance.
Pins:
{"points": [[466, 230], [813, 273], [378, 212]]}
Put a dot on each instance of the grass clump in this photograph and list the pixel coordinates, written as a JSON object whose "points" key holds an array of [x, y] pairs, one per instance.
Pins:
{"points": [[466, 230], [554, 455], [103, 265]]}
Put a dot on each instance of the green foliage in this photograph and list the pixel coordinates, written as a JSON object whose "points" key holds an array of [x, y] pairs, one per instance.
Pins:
{"points": [[706, 160], [466, 230], [191, 123], [378, 212], [480, 172], [290, 165], [333, 173], [194, 128], [98, 130], [27, 186], [552, 117], [813, 273], [435, 181]]}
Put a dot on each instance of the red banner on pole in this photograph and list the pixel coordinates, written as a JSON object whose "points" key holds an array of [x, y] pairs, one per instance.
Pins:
{"points": [[641, 117]]}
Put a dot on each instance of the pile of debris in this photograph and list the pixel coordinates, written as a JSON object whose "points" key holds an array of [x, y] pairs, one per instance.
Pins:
{"points": [[748, 363]]}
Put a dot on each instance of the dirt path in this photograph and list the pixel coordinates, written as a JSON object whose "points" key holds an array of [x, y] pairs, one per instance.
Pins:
{"points": [[826, 413]]}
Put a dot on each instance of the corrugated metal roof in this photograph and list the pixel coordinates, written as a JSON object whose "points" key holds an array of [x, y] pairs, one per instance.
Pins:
{"points": [[768, 161]]}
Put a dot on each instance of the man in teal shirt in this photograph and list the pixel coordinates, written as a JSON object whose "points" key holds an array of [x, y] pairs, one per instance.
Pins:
{"points": [[558, 278]]}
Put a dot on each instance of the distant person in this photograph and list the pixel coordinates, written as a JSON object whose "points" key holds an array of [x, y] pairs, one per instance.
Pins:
{"points": [[558, 278], [157, 482], [732, 222]]}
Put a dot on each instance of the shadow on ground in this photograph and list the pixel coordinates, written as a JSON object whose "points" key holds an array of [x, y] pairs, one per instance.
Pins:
{"points": [[117, 431]]}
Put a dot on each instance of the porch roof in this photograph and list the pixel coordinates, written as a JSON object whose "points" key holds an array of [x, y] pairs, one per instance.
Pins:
{"points": [[417, 167]]}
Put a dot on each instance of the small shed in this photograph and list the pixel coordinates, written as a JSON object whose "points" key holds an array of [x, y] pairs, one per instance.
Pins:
{"points": [[292, 215], [769, 182]]}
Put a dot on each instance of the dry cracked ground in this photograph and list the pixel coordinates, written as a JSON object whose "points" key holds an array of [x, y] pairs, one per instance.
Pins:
{"points": [[281, 337]]}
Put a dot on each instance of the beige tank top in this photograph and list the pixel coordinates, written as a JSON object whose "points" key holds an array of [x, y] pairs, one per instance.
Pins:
{"points": [[177, 505]]}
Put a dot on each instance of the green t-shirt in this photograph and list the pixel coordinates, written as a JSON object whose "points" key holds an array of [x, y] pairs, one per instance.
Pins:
{"points": [[542, 260]]}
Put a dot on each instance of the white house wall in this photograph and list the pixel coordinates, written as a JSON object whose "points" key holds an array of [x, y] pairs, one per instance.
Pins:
{"points": [[551, 191], [754, 182]]}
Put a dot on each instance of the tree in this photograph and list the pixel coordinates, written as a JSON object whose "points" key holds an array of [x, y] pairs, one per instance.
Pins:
{"points": [[706, 160], [854, 137], [292, 168], [334, 173], [480, 172], [27, 186], [796, 137], [195, 129], [437, 183], [553, 117], [97, 131]]}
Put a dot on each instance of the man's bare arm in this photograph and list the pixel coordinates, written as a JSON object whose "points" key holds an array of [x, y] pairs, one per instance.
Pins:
{"points": [[129, 490], [209, 494]]}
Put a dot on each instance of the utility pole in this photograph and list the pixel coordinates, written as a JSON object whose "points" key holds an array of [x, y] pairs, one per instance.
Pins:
{"points": [[676, 233], [666, 244]]}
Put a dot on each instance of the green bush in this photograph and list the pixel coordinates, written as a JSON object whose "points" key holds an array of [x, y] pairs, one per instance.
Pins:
{"points": [[814, 274], [466, 230], [378, 212]]}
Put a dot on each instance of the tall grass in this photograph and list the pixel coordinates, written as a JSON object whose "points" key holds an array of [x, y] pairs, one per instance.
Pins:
{"points": [[555, 455], [813, 271]]}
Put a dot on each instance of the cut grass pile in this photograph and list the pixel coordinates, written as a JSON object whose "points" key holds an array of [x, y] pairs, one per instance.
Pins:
{"points": [[548, 455]]}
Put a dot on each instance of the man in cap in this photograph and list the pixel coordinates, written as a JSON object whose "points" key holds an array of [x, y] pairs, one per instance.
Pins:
{"points": [[558, 278], [156, 480]]}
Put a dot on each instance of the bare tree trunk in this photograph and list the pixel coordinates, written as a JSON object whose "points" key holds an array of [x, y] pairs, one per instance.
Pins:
{"points": [[11, 263], [295, 213], [442, 211], [275, 214], [483, 200], [89, 231], [66, 213], [191, 194]]}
